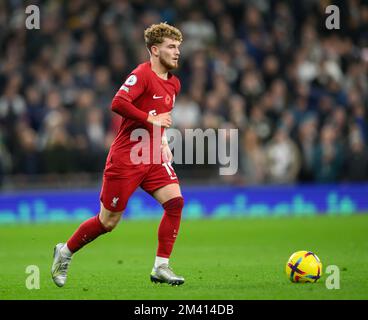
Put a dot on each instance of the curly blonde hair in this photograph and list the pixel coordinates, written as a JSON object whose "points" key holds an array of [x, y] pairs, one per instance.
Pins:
{"points": [[156, 33]]}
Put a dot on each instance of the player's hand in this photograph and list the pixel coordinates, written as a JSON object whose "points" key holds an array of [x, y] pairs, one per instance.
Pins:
{"points": [[167, 155], [161, 120]]}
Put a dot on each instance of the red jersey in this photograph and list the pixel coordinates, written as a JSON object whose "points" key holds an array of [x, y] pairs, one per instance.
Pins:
{"points": [[149, 93]]}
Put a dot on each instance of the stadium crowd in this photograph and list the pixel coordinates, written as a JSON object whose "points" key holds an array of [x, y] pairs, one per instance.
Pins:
{"points": [[297, 92]]}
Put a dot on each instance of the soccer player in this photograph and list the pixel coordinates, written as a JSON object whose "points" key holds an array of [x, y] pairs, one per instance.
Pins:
{"points": [[144, 101]]}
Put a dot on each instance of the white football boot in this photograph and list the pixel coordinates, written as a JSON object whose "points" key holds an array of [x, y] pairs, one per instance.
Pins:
{"points": [[60, 266], [164, 274]]}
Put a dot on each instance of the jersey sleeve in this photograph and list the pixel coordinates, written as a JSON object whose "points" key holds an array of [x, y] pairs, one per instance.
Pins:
{"points": [[133, 87], [178, 87], [127, 109]]}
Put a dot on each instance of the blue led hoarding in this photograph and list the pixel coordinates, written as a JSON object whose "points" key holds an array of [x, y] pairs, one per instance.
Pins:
{"points": [[200, 202]]}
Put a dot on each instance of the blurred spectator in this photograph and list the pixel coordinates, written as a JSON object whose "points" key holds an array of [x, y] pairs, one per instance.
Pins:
{"points": [[339, 121], [58, 152], [328, 157], [357, 157], [198, 32], [283, 159], [237, 111], [12, 111], [5, 160], [251, 86], [103, 88], [306, 140], [253, 159], [261, 124], [28, 156], [186, 113], [35, 107]]}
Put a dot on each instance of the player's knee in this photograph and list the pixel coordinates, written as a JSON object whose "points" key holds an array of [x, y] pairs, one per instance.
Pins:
{"points": [[110, 220], [174, 206], [109, 225]]}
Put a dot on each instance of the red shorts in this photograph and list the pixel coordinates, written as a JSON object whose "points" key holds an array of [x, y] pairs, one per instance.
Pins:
{"points": [[120, 183]]}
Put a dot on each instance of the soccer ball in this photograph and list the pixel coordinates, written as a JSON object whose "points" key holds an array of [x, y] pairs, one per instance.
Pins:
{"points": [[303, 266]]}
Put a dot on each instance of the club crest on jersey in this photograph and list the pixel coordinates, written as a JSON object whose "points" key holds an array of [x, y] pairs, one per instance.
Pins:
{"points": [[131, 81], [167, 99]]}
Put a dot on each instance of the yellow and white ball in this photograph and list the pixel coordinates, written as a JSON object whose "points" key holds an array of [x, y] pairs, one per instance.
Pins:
{"points": [[303, 266]]}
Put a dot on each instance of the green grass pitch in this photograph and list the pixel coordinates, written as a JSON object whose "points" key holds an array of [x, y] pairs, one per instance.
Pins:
{"points": [[220, 259]]}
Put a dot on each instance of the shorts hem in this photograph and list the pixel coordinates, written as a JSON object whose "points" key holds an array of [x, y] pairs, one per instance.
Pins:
{"points": [[161, 186]]}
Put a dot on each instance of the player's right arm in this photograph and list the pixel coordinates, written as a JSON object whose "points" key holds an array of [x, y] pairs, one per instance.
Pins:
{"points": [[123, 101]]}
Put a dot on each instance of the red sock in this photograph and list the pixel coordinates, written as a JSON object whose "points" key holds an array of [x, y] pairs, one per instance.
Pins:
{"points": [[169, 226], [87, 231]]}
